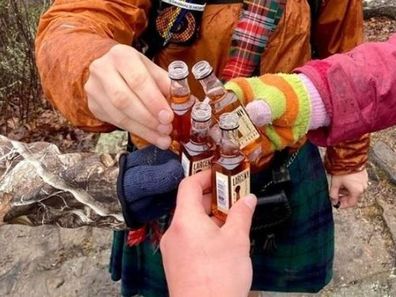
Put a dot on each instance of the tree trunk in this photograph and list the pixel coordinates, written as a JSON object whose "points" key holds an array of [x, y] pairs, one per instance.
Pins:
{"points": [[41, 186]]}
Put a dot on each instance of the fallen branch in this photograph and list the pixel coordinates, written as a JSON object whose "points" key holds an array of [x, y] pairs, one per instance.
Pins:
{"points": [[39, 186]]}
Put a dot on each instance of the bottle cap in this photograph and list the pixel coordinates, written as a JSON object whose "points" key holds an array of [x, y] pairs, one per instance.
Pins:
{"points": [[201, 70], [201, 112], [229, 121], [177, 70]]}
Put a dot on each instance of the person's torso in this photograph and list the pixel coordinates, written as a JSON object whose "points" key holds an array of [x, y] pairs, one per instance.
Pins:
{"points": [[288, 47]]}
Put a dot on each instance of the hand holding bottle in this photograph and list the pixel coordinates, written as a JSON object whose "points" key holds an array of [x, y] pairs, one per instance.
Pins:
{"points": [[200, 258], [283, 106], [126, 89]]}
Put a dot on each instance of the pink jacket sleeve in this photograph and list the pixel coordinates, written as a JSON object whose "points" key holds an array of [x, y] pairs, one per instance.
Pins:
{"points": [[358, 89]]}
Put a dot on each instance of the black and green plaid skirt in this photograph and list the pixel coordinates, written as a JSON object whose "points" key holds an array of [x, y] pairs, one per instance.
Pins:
{"points": [[302, 261]]}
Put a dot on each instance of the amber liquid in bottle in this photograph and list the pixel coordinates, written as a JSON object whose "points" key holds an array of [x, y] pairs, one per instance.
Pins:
{"points": [[230, 169], [180, 101], [223, 101], [198, 152]]}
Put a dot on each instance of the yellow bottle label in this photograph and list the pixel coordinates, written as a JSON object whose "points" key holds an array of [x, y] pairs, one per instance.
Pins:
{"points": [[246, 128], [240, 185], [191, 168], [201, 165]]}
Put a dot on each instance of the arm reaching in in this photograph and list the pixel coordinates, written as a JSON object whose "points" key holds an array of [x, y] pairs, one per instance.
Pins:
{"points": [[201, 258]]}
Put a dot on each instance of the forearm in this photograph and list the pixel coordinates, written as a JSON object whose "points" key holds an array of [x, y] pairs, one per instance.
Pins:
{"points": [[358, 90], [40, 186]]}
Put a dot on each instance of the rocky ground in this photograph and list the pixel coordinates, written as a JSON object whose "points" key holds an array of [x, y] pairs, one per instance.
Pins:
{"points": [[49, 261]]}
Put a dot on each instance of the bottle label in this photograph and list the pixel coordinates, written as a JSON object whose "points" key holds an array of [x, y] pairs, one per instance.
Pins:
{"points": [[240, 185], [201, 165], [222, 192], [195, 167], [237, 185], [185, 162], [246, 128]]}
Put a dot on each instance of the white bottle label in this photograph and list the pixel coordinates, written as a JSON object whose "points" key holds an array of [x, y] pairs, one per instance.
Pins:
{"points": [[222, 189], [246, 128], [236, 187], [185, 162], [201, 165]]}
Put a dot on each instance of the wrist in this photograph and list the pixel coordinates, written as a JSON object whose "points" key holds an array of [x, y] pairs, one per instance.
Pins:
{"points": [[319, 116]]}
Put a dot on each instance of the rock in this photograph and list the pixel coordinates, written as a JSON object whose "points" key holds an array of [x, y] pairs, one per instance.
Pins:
{"points": [[48, 261], [389, 216], [376, 8], [384, 157], [361, 248], [375, 286], [112, 143]]}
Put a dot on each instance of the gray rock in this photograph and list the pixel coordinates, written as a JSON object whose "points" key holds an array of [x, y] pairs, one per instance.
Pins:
{"points": [[112, 143], [374, 8], [361, 248], [389, 216], [385, 158]]}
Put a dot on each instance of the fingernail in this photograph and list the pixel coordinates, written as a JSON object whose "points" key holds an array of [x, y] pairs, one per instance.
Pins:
{"points": [[165, 116], [164, 129], [250, 201], [164, 142]]}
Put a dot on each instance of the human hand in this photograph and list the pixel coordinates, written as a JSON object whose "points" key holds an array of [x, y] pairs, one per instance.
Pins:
{"points": [[278, 104], [346, 190], [147, 184], [127, 90], [200, 258]]}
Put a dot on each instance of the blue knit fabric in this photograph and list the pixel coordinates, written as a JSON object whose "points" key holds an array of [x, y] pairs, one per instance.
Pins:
{"points": [[150, 180]]}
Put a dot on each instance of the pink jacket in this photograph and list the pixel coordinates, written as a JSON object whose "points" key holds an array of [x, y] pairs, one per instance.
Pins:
{"points": [[358, 89]]}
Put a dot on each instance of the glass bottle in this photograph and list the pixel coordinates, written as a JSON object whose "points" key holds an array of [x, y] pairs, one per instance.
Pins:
{"points": [[198, 152], [180, 100], [230, 169], [222, 101]]}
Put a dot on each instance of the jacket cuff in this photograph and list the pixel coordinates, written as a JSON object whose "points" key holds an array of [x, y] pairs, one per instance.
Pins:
{"points": [[348, 157]]}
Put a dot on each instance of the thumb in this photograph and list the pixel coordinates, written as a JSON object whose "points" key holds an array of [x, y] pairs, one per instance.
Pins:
{"points": [[335, 186], [259, 112], [240, 216]]}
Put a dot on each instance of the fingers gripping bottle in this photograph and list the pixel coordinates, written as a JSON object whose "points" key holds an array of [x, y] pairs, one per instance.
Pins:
{"points": [[222, 100], [180, 100], [230, 169], [198, 152]]}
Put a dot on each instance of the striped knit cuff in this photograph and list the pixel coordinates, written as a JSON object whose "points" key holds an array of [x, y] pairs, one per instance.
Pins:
{"points": [[319, 117], [286, 96]]}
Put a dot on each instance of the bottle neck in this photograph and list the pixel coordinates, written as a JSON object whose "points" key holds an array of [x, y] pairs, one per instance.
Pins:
{"points": [[229, 144], [200, 131], [179, 91], [213, 87]]}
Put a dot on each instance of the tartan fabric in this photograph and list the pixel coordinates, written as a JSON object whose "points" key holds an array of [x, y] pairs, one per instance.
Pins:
{"points": [[302, 262], [250, 37]]}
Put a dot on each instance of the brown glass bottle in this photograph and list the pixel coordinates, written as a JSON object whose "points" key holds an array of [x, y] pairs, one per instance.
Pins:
{"points": [[223, 101], [180, 100], [198, 152], [230, 169]]}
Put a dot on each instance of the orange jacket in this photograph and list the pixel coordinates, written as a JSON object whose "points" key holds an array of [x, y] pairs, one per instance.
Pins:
{"points": [[72, 34]]}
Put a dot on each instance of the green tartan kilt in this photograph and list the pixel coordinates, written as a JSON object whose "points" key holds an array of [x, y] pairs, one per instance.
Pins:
{"points": [[302, 261]]}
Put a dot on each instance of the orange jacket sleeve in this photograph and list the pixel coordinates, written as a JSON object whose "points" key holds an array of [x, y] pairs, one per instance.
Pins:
{"points": [[72, 34], [339, 28]]}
